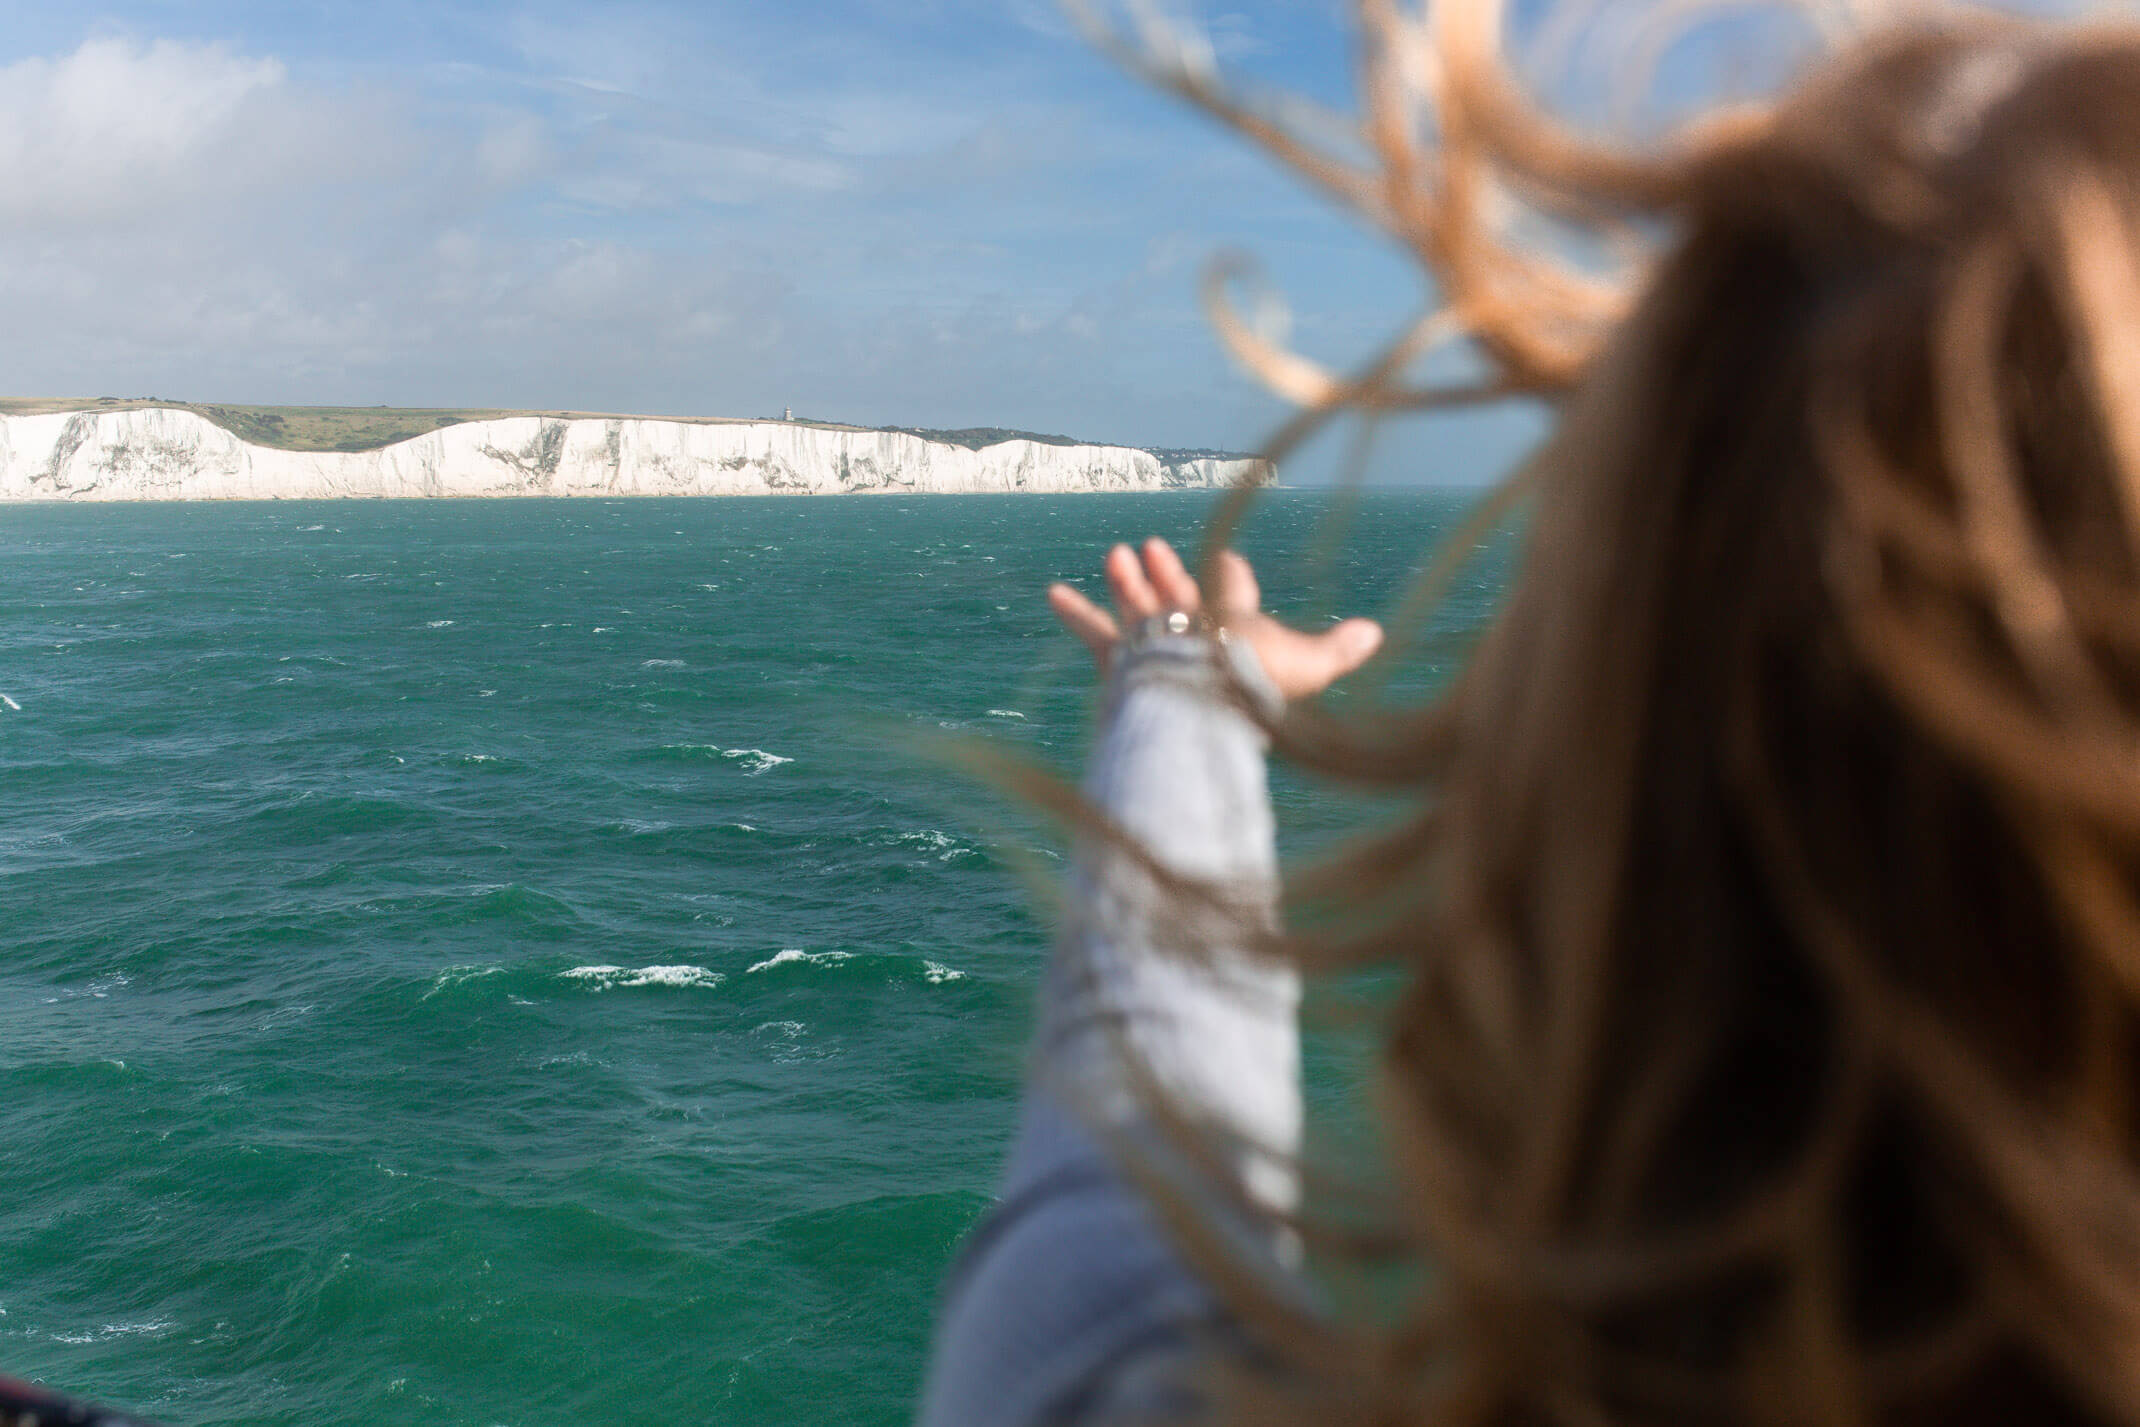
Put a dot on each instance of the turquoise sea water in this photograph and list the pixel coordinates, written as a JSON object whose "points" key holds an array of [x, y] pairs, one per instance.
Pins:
{"points": [[503, 962]]}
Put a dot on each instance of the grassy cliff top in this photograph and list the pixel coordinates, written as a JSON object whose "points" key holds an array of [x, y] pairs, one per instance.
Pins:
{"points": [[307, 428], [366, 428]]}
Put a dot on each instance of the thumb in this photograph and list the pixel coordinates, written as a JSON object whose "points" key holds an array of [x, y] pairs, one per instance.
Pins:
{"points": [[1303, 665], [1353, 642], [1347, 645]]}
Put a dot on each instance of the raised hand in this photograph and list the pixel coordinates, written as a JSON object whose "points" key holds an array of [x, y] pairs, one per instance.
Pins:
{"points": [[1299, 664]]}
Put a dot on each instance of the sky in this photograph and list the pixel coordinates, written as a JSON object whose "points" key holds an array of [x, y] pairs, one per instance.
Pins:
{"points": [[913, 212]]}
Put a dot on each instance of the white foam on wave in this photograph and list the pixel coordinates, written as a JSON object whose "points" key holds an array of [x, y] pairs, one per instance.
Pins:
{"points": [[946, 847], [438, 624], [789, 1043], [117, 1330], [454, 976], [791, 955], [936, 973], [927, 837], [755, 760], [4, 699], [1005, 713], [98, 990], [661, 663], [606, 978], [675, 976]]}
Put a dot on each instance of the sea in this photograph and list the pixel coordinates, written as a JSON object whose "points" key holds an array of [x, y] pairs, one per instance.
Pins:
{"points": [[523, 962]]}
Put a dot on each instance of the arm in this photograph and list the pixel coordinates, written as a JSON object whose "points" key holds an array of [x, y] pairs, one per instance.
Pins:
{"points": [[1068, 1302]]}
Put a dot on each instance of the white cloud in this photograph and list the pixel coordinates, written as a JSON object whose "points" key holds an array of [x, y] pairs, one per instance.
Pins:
{"points": [[119, 127]]}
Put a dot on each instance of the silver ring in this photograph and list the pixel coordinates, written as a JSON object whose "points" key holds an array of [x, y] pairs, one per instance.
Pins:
{"points": [[1176, 622]]}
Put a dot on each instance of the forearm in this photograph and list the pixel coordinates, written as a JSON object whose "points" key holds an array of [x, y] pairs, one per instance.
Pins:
{"points": [[1154, 988], [1069, 1298]]}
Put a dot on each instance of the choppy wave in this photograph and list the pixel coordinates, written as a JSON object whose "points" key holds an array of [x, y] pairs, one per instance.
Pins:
{"points": [[882, 967], [789, 1043], [612, 978], [796, 956], [514, 902], [754, 760], [940, 845], [152, 1328], [454, 976], [688, 752], [641, 827], [340, 814]]}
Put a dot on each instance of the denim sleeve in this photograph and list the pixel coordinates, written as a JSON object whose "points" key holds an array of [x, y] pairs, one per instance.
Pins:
{"points": [[1069, 1302]]}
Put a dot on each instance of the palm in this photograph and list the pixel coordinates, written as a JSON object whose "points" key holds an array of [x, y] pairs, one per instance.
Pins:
{"points": [[1299, 664]]}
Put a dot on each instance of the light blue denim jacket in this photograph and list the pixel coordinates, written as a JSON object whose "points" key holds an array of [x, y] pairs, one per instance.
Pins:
{"points": [[1068, 1304]]}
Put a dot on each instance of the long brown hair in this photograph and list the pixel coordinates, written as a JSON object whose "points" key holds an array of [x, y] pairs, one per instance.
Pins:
{"points": [[1770, 916]]}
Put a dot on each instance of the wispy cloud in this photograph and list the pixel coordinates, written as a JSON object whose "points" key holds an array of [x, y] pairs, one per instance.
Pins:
{"points": [[121, 128]]}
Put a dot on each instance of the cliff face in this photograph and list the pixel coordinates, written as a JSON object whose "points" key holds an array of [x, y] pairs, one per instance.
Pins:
{"points": [[166, 454]]}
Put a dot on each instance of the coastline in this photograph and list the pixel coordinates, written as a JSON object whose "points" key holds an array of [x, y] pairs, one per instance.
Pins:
{"points": [[165, 453]]}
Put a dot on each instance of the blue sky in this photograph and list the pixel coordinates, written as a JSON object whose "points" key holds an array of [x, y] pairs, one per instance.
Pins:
{"points": [[924, 212]]}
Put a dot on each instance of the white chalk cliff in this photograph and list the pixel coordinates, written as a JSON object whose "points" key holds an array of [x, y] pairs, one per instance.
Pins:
{"points": [[161, 453]]}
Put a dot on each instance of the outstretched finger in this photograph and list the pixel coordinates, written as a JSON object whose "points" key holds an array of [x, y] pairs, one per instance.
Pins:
{"points": [[1083, 618], [1134, 595], [1171, 581], [1235, 591]]}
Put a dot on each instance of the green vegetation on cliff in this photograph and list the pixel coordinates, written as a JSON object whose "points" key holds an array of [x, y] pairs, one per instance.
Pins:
{"points": [[292, 428]]}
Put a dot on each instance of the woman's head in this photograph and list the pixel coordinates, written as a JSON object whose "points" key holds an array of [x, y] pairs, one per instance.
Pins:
{"points": [[1772, 916]]}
